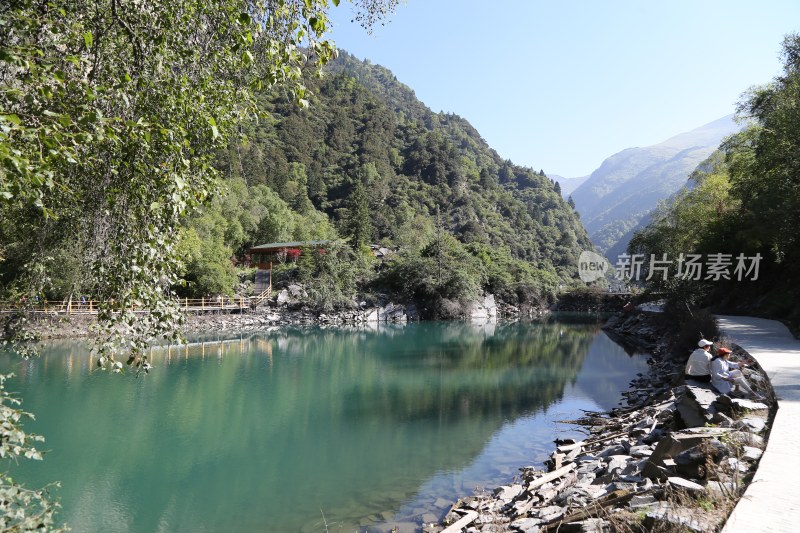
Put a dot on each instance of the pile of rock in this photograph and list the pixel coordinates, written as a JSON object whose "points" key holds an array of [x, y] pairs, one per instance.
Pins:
{"points": [[634, 464], [591, 301], [289, 306], [673, 459]]}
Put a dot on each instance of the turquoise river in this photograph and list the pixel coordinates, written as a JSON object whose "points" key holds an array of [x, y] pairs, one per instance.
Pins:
{"points": [[308, 430]]}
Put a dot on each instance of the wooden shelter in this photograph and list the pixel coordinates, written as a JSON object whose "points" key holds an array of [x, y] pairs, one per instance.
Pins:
{"points": [[264, 255]]}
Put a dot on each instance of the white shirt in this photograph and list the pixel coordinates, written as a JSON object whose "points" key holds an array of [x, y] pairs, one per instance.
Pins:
{"points": [[699, 363], [720, 371]]}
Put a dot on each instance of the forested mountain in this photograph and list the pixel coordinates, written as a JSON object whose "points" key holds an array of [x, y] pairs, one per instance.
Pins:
{"points": [[366, 135], [629, 184], [364, 163], [369, 162]]}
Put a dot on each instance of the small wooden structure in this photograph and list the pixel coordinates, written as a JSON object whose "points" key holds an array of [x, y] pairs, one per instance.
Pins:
{"points": [[263, 256]]}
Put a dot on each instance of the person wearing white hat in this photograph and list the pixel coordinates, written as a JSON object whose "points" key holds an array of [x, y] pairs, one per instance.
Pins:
{"points": [[698, 367]]}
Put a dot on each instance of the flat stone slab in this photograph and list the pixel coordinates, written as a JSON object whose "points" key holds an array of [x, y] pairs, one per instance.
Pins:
{"points": [[749, 405], [756, 423], [526, 524], [645, 500], [508, 493], [685, 484], [752, 453], [664, 513]]}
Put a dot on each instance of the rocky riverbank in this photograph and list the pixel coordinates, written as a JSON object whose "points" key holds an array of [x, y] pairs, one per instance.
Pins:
{"points": [[676, 458], [288, 307]]}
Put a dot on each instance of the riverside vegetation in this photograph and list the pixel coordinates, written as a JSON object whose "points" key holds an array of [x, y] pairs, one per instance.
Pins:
{"points": [[365, 163], [133, 169], [142, 148], [110, 121]]}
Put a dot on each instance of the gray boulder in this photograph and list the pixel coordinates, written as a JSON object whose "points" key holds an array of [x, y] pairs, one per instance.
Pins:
{"points": [[695, 403]]}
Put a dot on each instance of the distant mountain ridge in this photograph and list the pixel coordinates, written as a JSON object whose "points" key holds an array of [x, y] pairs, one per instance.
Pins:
{"points": [[629, 184], [568, 185]]}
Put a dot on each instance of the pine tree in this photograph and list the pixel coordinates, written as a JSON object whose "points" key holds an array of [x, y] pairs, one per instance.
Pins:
{"points": [[359, 225]]}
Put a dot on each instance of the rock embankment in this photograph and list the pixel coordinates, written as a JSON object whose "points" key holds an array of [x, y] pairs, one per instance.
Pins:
{"points": [[281, 316], [287, 307], [674, 459]]}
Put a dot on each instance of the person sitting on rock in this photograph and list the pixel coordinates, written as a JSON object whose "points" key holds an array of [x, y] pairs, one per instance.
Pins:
{"points": [[727, 376], [698, 367]]}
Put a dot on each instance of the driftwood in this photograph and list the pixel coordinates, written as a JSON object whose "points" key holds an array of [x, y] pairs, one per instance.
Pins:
{"points": [[463, 522], [564, 448], [555, 474], [615, 498]]}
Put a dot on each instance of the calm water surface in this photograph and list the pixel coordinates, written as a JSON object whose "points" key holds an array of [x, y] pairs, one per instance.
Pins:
{"points": [[309, 429]]}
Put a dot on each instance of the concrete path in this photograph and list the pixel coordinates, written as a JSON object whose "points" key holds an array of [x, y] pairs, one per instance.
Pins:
{"points": [[772, 501]]}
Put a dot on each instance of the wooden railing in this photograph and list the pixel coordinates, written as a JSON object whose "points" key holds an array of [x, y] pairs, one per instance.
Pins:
{"points": [[77, 307], [211, 304], [258, 300], [51, 306]]}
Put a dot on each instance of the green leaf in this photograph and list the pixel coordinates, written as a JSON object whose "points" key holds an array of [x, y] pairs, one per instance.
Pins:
{"points": [[88, 39], [14, 119], [317, 24]]}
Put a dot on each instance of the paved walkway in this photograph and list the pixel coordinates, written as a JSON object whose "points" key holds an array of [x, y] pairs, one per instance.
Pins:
{"points": [[772, 501]]}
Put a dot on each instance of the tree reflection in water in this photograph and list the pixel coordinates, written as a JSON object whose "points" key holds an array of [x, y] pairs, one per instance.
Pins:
{"points": [[260, 432]]}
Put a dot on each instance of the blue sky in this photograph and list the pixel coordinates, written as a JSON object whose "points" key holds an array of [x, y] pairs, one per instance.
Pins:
{"points": [[560, 85]]}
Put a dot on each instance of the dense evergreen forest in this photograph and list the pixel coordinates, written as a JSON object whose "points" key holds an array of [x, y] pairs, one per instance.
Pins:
{"points": [[744, 201], [368, 163]]}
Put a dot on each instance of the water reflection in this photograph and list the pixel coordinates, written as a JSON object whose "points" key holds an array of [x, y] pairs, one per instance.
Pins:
{"points": [[266, 432]]}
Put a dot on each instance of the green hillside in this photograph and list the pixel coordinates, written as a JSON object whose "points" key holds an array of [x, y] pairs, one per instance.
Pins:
{"points": [[364, 163], [383, 168], [366, 128]]}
